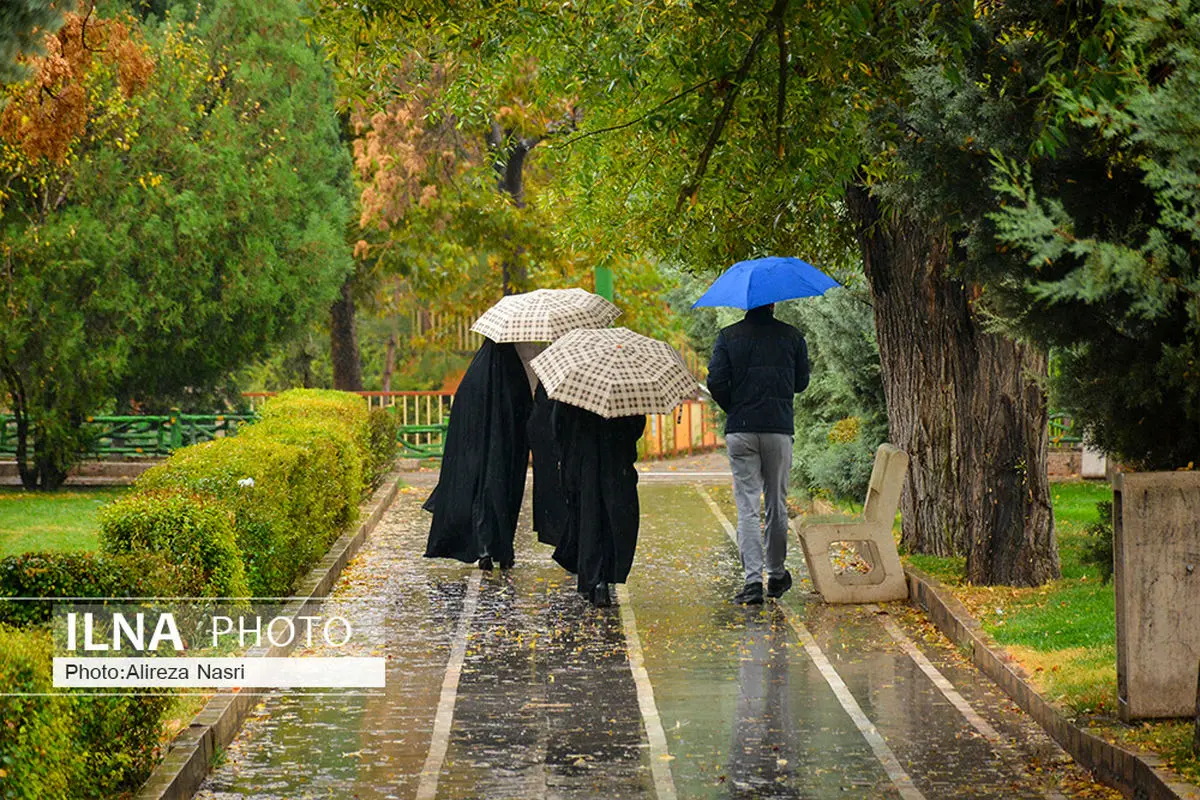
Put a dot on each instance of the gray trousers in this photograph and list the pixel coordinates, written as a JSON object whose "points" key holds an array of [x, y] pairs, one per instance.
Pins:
{"points": [[761, 464]]}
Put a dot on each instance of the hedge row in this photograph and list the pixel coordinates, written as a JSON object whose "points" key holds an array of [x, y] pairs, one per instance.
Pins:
{"points": [[63, 745], [237, 517], [253, 512]]}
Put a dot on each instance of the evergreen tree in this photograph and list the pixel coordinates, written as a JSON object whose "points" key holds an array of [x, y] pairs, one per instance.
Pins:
{"points": [[175, 205], [1067, 142], [23, 26]]}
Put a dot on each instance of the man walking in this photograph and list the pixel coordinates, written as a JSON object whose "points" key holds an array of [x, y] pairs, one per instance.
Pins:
{"points": [[758, 365]]}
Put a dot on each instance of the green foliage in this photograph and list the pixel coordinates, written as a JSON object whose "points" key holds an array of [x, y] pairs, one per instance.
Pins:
{"points": [[23, 23], [1097, 551], [290, 483], [35, 728], [271, 534], [57, 745], [383, 426], [842, 417], [1064, 145], [116, 739], [201, 220], [55, 575], [187, 529]]}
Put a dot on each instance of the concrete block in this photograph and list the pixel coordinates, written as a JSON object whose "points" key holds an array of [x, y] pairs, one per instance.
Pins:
{"points": [[1092, 463], [872, 536], [1156, 548]]}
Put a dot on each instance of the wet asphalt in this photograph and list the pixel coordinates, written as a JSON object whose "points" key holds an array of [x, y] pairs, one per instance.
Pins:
{"points": [[510, 685]]}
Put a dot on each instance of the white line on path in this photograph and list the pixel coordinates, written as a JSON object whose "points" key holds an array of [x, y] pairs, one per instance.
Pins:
{"points": [[660, 757], [999, 743], [440, 742], [891, 764]]}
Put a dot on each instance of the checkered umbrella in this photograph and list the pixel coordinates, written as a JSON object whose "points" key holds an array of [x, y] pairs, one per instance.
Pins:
{"points": [[544, 314], [614, 372]]}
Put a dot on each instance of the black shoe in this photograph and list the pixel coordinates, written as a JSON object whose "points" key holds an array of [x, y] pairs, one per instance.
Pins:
{"points": [[485, 563], [508, 564], [600, 597], [750, 595], [777, 586]]}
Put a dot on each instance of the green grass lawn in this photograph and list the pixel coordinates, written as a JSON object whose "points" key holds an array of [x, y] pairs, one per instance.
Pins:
{"points": [[62, 520], [1064, 633]]}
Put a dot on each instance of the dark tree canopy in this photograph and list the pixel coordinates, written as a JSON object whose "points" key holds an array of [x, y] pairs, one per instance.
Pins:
{"points": [[1063, 140]]}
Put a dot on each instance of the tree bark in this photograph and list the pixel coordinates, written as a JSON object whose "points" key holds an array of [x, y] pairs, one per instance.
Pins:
{"points": [[343, 340], [965, 404], [389, 363]]}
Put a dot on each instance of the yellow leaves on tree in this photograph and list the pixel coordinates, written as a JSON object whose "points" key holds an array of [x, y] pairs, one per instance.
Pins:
{"points": [[48, 113]]}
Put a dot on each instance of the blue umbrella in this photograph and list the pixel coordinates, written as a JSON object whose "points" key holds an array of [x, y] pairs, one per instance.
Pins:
{"points": [[749, 284]]}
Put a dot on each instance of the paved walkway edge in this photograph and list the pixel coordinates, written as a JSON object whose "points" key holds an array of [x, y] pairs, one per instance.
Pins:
{"points": [[187, 762], [1136, 775]]}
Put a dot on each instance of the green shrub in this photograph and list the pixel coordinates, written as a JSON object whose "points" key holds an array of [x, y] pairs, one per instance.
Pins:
{"points": [[73, 574], [270, 530], [383, 426], [1097, 549], [186, 528], [116, 739], [36, 756], [325, 493]]}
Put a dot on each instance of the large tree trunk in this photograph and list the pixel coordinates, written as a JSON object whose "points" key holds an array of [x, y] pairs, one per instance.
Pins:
{"points": [[965, 404], [343, 340]]}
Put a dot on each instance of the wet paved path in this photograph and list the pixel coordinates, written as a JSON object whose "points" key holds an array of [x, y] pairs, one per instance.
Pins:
{"points": [[510, 685]]}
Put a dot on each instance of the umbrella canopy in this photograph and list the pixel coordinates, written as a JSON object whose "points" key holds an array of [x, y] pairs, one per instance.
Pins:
{"points": [[544, 314], [614, 372], [754, 283]]}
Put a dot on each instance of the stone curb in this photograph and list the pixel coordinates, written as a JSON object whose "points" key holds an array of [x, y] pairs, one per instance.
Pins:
{"points": [[1137, 775], [186, 763]]}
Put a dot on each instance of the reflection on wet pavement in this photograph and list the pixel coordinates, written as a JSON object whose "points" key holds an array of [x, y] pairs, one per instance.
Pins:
{"points": [[546, 706]]}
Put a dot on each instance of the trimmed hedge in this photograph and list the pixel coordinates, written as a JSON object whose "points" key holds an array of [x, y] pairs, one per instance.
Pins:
{"points": [[237, 517], [116, 741], [37, 757], [272, 531], [383, 429], [69, 746], [56, 574], [291, 481], [188, 529]]}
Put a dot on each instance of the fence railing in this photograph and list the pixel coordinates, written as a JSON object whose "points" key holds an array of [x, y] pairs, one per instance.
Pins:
{"points": [[1063, 430], [691, 429], [141, 435]]}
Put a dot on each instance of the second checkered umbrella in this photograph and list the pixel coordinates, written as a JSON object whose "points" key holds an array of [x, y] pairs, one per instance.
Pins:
{"points": [[614, 372], [544, 314]]}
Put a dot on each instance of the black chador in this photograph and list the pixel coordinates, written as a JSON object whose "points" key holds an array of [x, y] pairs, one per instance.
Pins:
{"points": [[478, 497], [597, 458], [549, 503]]}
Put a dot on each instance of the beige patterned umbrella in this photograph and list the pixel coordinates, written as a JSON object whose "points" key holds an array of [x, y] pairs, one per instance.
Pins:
{"points": [[614, 372], [544, 314]]}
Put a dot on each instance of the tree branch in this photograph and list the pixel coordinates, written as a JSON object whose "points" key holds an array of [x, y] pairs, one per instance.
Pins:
{"points": [[781, 40], [693, 186], [636, 120]]}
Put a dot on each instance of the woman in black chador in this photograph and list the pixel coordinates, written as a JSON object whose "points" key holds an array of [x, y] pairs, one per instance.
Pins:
{"points": [[600, 485], [549, 502], [478, 497]]}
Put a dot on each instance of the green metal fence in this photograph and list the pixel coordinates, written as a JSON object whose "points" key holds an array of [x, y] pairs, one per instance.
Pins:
{"points": [[1063, 430], [127, 436]]}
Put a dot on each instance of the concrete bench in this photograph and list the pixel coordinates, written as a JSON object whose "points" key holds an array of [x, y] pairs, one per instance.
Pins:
{"points": [[870, 535]]}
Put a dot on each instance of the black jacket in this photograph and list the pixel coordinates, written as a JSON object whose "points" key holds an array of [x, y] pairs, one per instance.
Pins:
{"points": [[758, 365]]}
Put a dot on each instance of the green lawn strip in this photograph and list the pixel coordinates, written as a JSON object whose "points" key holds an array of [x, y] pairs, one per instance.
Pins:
{"points": [[1064, 633], [62, 520]]}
